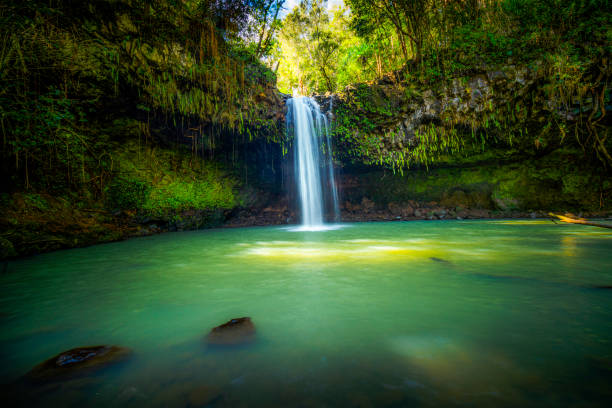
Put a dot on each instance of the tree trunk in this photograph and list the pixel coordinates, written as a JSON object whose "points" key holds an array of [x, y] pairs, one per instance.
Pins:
{"points": [[571, 220]]}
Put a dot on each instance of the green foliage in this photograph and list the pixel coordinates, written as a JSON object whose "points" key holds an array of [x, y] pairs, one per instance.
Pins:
{"points": [[160, 182], [180, 195], [496, 181], [433, 40], [310, 47], [127, 194], [472, 44], [563, 46], [322, 51], [36, 201], [68, 68], [264, 24]]}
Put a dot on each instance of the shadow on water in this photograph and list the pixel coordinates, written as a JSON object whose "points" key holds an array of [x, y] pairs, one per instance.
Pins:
{"points": [[446, 374], [519, 279], [440, 260]]}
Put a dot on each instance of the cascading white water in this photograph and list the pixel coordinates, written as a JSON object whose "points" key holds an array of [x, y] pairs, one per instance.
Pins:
{"points": [[312, 153]]}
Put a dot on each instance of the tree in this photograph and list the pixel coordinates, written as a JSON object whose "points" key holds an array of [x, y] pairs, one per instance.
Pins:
{"points": [[310, 48], [267, 20], [410, 18]]}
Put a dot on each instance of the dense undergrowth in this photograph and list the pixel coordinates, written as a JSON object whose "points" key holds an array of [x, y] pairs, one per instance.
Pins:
{"points": [[157, 181]]}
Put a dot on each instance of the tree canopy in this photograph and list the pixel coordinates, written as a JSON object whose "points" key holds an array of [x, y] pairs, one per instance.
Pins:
{"points": [[365, 39]]}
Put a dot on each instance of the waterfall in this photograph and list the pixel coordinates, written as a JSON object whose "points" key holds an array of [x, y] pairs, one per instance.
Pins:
{"points": [[313, 161]]}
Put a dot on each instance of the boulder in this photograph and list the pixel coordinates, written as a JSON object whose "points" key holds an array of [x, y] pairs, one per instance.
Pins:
{"points": [[440, 212], [77, 361], [394, 208], [478, 213], [237, 331]]}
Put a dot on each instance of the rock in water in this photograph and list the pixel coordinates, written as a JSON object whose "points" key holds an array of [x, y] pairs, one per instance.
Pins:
{"points": [[76, 361], [237, 331]]}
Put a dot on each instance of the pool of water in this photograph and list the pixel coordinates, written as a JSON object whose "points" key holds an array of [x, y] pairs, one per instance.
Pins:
{"points": [[479, 313]]}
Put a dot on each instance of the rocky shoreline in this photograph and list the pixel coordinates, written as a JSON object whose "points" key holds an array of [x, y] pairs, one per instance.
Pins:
{"points": [[382, 216], [84, 228], [410, 212]]}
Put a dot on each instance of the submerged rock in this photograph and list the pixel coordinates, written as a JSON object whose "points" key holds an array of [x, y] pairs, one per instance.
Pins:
{"points": [[237, 331], [76, 361]]}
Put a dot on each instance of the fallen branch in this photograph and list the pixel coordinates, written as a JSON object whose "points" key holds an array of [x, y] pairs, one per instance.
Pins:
{"points": [[572, 220]]}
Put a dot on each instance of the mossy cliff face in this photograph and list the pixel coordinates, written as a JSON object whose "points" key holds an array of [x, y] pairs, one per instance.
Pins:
{"points": [[503, 136], [490, 189], [402, 123], [123, 118]]}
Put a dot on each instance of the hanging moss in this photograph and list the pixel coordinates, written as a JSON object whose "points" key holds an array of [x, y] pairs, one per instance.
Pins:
{"points": [[69, 68]]}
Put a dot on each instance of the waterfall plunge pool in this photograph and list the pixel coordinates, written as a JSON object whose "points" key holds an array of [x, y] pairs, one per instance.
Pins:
{"points": [[430, 313]]}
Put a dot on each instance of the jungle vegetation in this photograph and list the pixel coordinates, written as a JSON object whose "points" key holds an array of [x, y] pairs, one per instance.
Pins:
{"points": [[79, 81], [424, 44], [153, 107], [78, 76], [326, 49]]}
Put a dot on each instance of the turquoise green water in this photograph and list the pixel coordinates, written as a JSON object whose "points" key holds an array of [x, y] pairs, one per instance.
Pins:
{"points": [[480, 313]]}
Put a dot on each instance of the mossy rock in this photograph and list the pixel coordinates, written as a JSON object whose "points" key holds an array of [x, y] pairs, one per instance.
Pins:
{"points": [[237, 331], [77, 361]]}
